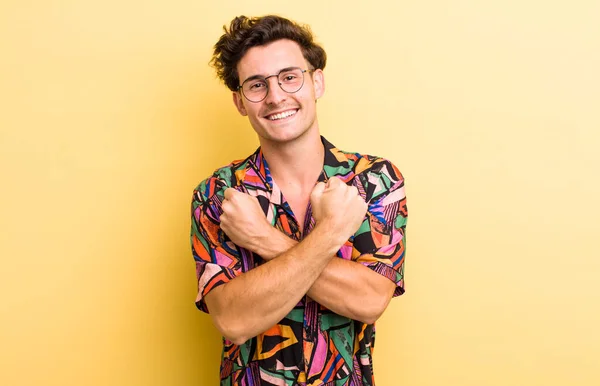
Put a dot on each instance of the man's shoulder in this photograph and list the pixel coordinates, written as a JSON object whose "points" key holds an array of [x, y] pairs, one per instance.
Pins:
{"points": [[374, 176], [367, 165]]}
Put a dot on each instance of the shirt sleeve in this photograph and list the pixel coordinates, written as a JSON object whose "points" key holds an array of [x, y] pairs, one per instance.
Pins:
{"points": [[380, 242], [217, 258]]}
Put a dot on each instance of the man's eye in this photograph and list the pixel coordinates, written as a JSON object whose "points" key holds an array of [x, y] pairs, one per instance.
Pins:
{"points": [[289, 77], [257, 86]]}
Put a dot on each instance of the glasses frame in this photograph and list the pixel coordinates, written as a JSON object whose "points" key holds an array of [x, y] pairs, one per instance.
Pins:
{"points": [[240, 88]]}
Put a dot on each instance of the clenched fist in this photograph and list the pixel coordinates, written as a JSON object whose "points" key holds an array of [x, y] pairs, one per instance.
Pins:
{"points": [[338, 207], [243, 220]]}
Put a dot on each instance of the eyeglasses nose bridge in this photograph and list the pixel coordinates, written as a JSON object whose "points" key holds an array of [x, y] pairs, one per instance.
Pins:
{"points": [[270, 76]]}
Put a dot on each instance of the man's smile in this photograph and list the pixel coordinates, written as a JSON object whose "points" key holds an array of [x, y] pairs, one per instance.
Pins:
{"points": [[281, 115]]}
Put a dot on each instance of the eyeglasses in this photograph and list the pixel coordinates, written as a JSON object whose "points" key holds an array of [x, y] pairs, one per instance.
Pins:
{"points": [[256, 88]]}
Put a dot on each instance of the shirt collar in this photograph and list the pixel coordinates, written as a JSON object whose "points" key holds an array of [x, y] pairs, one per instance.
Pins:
{"points": [[256, 175]]}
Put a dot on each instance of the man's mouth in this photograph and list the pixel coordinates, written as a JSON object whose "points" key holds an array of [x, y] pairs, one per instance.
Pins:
{"points": [[281, 115]]}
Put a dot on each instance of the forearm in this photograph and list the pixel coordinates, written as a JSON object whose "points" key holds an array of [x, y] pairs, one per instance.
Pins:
{"points": [[345, 287], [256, 300], [352, 290]]}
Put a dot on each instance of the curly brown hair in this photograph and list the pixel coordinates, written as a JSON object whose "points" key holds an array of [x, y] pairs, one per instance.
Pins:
{"points": [[245, 33]]}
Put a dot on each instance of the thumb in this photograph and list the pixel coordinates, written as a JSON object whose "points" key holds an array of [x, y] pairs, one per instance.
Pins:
{"points": [[318, 190], [230, 192], [334, 182]]}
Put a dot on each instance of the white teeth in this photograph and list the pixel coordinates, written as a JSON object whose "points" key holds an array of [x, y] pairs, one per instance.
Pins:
{"points": [[282, 115]]}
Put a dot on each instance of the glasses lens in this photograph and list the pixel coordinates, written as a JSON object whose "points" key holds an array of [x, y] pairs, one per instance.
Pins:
{"points": [[291, 80], [255, 89]]}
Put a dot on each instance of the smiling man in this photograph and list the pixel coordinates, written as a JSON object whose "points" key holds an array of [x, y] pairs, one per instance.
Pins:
{"points": [[299, 247]]}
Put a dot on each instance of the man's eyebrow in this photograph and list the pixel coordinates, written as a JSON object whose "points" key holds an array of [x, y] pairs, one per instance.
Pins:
{"points": [[253, 77], [288, 68], [262, 76]]}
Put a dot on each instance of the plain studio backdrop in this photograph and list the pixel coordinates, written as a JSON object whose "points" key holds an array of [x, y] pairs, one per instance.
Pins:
{"points": [[110, 116]]}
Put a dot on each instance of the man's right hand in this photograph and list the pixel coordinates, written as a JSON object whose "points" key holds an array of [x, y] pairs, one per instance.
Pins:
{"points": [[338, 207]]}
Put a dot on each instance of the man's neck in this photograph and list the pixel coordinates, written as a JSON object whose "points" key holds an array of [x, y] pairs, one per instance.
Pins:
{"points": [[296, 165]]}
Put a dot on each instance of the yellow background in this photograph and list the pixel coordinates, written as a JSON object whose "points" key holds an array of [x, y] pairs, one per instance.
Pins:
{"points": [[110, 116]]}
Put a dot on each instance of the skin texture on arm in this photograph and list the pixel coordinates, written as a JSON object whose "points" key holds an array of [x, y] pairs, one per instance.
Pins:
{"points": [[256, 300], [345, 287], [353, 290]]}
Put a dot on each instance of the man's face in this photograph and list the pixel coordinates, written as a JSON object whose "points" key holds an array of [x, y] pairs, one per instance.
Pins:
{"points": [[299, 108]]}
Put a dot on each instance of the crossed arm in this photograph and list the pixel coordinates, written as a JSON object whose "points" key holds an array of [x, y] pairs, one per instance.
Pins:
{"points": [[256, 300], [346, 287]]}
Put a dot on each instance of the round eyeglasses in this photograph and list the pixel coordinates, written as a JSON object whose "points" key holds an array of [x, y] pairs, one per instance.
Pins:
{"points": [[256, 88]]}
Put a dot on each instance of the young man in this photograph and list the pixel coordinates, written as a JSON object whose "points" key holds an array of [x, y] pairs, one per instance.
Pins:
{"points": [[299, 247]]}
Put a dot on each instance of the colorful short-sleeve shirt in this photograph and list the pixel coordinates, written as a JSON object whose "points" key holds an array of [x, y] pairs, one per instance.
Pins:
{"points": [[312, 345]]}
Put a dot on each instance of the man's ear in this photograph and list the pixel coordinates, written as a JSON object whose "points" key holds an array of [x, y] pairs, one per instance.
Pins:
{"points": [[319, 83], [239, 103]]}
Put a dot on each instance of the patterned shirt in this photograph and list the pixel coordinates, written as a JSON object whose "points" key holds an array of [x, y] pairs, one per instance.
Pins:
{"points": [[312, 345]]}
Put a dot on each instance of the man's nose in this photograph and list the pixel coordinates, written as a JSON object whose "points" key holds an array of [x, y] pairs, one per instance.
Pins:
{"points": [[275, 94]]}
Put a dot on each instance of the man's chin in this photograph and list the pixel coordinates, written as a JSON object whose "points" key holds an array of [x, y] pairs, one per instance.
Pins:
{"points": [[282, 138]]}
